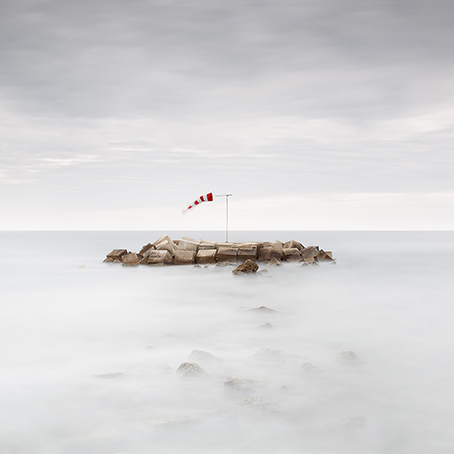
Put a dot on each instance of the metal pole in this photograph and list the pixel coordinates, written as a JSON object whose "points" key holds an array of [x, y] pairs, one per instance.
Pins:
{"points": [[227, 219], [226, 214]]}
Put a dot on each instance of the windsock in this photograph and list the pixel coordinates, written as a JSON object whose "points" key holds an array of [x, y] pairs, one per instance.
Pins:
{"points": [[202, 198]]}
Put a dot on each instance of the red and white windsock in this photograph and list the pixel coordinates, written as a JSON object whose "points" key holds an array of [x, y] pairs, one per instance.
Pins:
{"points": [[203, 198]]}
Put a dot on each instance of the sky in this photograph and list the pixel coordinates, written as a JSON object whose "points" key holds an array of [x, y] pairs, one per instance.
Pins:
{"points": [[315, 115]]}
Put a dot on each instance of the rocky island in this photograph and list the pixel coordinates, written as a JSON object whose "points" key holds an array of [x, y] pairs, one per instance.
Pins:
{"points": [[187, 251]]}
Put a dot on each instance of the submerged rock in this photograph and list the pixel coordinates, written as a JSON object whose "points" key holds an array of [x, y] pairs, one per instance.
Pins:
{"points": [[262, 309], [347, 356], [243, 384], [347, 426], [191, 370], [308, 368], [266, 325], [260, 404], [110, 375], [248, 267]]}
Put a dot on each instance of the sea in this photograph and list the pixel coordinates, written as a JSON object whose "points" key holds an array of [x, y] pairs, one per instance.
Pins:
{"points": [[355, 357]]}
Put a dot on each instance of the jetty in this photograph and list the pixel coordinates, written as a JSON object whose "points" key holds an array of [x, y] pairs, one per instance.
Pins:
{"points": [[188, 251]]}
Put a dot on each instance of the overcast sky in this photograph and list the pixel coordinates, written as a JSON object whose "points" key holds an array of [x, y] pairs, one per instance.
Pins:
{"points": [[313, 114]]}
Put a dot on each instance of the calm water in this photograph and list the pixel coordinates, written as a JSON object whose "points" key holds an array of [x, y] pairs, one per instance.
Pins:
{"points": [[90, 350]]}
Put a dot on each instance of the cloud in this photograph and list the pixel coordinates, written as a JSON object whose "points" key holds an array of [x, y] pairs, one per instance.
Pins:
{"points": [[257, 98], [64, 162]]}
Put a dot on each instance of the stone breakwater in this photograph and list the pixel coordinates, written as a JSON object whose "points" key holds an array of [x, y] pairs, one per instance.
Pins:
{"points": [[187, 251]]}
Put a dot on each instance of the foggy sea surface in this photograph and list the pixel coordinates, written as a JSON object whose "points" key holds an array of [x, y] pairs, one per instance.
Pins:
{"points": [[89, 350]]}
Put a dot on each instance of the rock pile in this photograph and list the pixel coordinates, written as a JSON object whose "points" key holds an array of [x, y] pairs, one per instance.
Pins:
{"points": [[187, 251]]}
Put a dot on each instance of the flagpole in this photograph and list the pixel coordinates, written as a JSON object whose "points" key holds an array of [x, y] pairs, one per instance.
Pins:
{"points": [[226, 214]]}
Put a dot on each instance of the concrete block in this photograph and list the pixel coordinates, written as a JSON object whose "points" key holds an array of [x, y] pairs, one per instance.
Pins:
{"points": [[188, 245], [116, 254], [226, 254], [206, 256], [146, 248], [184, 257], [205, 244], [167, 245], [131, 259], [293, 244], [309, 252], [322, 256], [247, 253], [291, 254], [278, 246], [267, 253], [158, 257]]}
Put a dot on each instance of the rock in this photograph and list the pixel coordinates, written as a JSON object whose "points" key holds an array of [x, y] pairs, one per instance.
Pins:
{"points": [[226, 254], [347, 356], [184, 257], [243, 384], [267, 253], [260, 404], [308, 368], [291, 255], [262, 309], [293, 244], [247, 253], [116, 254], [309, 252], [348, 426], [108, 259], [189, 370], [110, 375], [171, 421], [266, 325], [274, 262], [248, 267], [145, 248], [205, 256], [131, 259], [162, 257], [116, 261], [204, 357]]}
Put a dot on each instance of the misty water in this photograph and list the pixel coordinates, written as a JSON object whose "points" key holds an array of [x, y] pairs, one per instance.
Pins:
{"points": [[90, 350]]}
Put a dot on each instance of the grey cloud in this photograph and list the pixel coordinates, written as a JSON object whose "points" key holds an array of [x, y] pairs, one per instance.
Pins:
{"points": [[180, 59], [263, 96]]}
